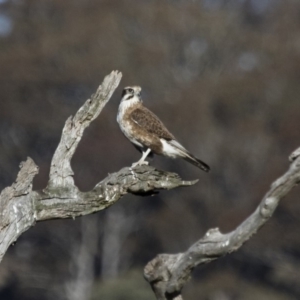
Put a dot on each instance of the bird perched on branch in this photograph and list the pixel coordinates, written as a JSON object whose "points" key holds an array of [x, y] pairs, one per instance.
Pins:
{"points": [[147, 133]]}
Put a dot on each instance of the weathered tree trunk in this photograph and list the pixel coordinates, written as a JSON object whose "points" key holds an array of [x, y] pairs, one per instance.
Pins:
{"points": [[21, 207]]}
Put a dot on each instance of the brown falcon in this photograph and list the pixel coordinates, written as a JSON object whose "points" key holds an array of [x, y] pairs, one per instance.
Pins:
{"points": [[147, 133]]}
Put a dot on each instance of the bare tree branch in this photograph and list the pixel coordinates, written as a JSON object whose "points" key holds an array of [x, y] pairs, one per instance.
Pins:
{"points": [[168, 273], [20, 207], [17, 206], [143, 180], [61, 174]]}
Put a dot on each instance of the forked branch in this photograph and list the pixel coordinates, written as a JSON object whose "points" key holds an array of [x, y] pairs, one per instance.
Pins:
{"points": [[20, 207]]}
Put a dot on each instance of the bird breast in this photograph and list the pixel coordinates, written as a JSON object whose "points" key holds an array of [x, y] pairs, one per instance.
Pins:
{"points": [[124, 121]]}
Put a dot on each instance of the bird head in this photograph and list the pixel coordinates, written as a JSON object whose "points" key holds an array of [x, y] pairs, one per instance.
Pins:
{"points": [[131, 92]]}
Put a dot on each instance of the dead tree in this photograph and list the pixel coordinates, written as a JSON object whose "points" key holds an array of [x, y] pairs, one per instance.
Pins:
{"points": [[21, 207]]}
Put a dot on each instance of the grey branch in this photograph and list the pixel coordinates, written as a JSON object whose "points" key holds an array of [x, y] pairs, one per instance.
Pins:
{"points": [[21, 207], [61, 174], [168, 273]]}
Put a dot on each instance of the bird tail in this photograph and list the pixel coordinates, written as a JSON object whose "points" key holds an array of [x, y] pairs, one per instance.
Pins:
{"points": [[196, 162], [186, 155]]}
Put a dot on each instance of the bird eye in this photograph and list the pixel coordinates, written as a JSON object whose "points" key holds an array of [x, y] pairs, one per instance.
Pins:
{"points": [[130, 90]]}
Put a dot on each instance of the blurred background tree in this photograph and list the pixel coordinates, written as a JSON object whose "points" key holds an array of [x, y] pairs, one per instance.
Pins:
{"points": [[224, 77]]}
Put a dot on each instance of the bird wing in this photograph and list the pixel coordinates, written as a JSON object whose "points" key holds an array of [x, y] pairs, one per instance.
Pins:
{"points": [[149, 122]]}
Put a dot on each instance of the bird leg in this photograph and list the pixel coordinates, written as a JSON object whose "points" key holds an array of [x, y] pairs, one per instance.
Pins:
{"points": [[142, 160]]}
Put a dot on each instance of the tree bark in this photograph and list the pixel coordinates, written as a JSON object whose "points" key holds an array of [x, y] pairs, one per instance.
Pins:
{"points": [[168, 273], [21, 207]]}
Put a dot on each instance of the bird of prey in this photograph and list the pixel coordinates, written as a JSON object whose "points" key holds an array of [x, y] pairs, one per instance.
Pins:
{"points": [[147, 133]]}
